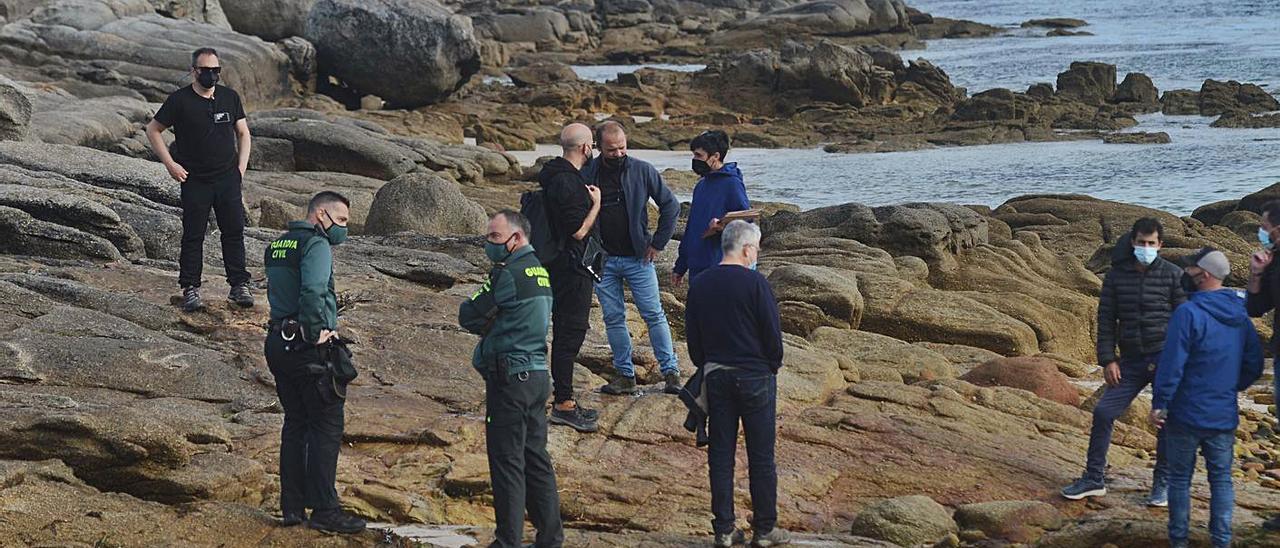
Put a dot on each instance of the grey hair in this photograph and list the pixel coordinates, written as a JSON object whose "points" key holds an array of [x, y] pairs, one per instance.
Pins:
{"points": [[516, 220], [738, 234]]}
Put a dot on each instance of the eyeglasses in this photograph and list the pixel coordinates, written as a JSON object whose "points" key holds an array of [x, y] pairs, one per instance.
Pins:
{"points": [[215, 70]]}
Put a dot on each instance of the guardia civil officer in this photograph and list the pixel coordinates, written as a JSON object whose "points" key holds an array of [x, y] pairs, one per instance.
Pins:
{"points": [[210, 155], [511, 312], [304, 318]]}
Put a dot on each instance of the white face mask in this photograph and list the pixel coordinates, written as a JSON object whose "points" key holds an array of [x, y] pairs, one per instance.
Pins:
{"points": [[1146, 255], [1264, 238]]}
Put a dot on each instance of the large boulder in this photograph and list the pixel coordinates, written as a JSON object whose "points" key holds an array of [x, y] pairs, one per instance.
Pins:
{"points": [[268, 19], [1033, 374], [833, 292], [1088, 82], [424, 203], [15, 110], [905, 521], [834, 18], [1217, 98], [75, 212], [431, 51], [26, 235], [321, 145], [1137, 88], [540, 26], [125, 42], [1016, 521], [999, 105], [1180, 102], [541, 74]]}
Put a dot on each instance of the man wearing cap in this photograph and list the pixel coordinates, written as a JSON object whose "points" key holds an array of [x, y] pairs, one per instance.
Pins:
{"points": [[1211, 353]]}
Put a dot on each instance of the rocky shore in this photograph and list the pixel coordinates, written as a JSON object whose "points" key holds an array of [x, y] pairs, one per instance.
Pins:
{"points": [[935, 385]]}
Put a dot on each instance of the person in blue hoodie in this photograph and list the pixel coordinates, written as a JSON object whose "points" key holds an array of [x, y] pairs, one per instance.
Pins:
{"points": [[1211, 353], [719, 191]]}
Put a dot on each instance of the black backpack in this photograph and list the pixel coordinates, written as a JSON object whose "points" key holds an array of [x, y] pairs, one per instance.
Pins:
{"points": [[547, 244]]}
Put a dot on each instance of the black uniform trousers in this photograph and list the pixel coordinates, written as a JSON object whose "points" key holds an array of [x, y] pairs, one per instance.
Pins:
{"points": [[222, 194], [312, 433], [519, 467], [570, 306]]}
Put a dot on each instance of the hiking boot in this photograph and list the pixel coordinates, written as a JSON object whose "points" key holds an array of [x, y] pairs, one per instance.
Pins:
{"points": [[589, 414], [573, 418], [336, 521], [622, 386], [191, 299], [1084, 488], [1159, 497], [726, 540], [292, 519], [672, 385], [776, 537], [241, 296]]}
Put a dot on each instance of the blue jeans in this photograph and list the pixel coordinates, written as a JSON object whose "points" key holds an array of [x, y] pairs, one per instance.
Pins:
{"points": [[642, 277], [751, 397], [1216, 446], [1135, 375]]}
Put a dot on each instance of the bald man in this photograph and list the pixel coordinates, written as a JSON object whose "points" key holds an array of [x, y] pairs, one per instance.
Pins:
{"points": [[572, 207]]}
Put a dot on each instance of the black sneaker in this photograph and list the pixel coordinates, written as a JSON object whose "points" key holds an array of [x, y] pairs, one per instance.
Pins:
{"points": [[575, 419], [622, 386], [292, 519], [241, 296], [727, 540], [672, 381], [336, 521], [776, 537], [191, 299], [1084, 488]]}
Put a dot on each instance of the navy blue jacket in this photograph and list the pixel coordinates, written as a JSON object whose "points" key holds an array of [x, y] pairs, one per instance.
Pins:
{"points": [[1211, 352], [640, 183], [717, 193]]}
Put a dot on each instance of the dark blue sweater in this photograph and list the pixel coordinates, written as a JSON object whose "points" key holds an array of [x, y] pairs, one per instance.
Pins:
{"points": [[1211, 352], [731, 318], [717, 193]]}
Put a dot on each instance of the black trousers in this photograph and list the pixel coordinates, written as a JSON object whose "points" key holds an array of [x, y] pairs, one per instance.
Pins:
{"points": [[571, 294], [222, 194], [312, 433], [519, 467], [750, 398]]}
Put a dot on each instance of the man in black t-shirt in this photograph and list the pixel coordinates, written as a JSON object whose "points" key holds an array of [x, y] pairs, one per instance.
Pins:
{"points": [[210, 155]]}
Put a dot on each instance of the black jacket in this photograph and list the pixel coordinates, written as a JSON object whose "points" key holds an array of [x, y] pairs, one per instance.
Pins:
{"points": [[1135, 307], [1266, 299], [568, 204]]}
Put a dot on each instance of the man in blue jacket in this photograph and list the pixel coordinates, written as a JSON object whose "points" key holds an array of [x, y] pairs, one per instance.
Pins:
{"points": [[626, 185], [719, 191], [1211, 353]]}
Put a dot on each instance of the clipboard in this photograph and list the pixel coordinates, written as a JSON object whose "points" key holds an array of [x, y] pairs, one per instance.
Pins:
{"points": [[749, 215]]}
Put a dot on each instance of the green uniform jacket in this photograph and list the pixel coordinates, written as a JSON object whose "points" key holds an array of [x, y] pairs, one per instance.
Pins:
{"points": [[299, 267], [511, 312]]}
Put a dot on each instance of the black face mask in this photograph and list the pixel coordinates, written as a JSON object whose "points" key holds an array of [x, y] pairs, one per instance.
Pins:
{"points": [[701, 167], [1189, 284], [207, 79], [613, 164]]}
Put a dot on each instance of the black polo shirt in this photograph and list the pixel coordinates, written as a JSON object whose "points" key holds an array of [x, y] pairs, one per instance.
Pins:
{"points": [[204, 129]]}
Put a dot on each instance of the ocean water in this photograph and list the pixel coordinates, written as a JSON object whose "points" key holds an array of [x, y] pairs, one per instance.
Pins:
{"points": [[1178, 43]]}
